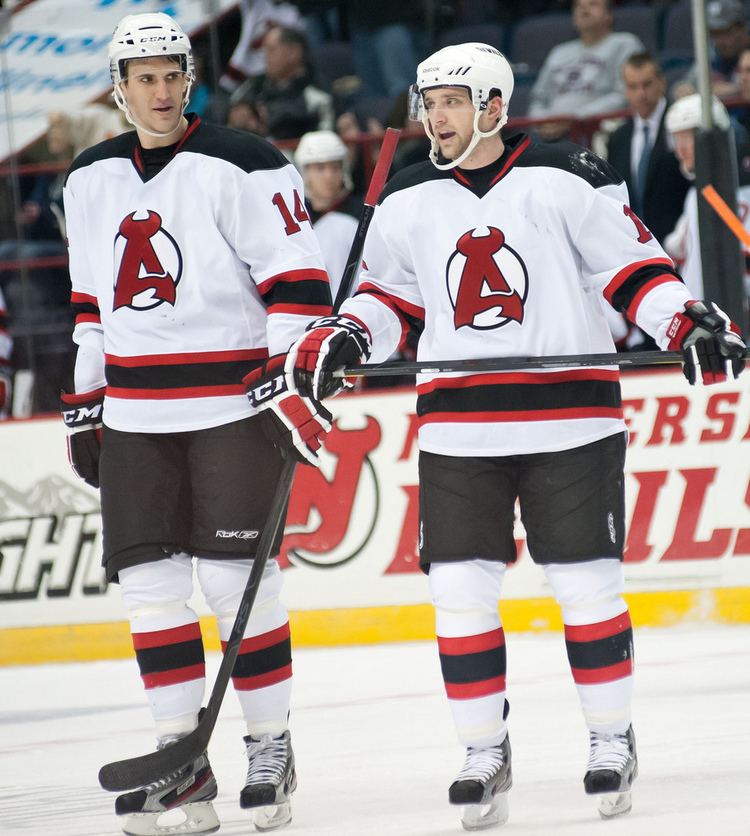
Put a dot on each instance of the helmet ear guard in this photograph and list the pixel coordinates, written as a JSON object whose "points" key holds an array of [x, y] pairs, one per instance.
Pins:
{"points": [[480, 69]]}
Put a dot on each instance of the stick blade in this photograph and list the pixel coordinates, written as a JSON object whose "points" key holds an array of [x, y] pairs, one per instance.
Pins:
{"points": [[136, 772]]}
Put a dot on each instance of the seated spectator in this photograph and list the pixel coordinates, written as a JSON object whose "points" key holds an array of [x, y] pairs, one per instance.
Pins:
{"points": [[292, 103], [6, 372], [247, 115], [683, 244], [323, 160], [728, 35], [641, 152], [583, 77], [742, 114], [258, 18]]}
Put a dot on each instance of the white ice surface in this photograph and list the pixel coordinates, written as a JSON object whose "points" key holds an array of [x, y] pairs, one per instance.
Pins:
{"points": [[375, 746]]}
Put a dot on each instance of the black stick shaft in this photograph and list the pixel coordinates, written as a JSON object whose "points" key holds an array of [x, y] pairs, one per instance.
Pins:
{"points": [[633, 359]]}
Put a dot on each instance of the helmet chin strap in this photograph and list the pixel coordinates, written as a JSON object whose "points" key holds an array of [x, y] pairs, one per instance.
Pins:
{"points": [[122, 103], [476, 136]]}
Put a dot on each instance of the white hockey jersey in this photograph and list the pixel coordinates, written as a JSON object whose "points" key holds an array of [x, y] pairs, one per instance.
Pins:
{"points": [[184, 282], [514, 271], [335, 231], [683, 244]]}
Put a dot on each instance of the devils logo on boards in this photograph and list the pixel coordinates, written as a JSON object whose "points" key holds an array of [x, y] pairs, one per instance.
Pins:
{"points": [[150, 263], [487, 281]]}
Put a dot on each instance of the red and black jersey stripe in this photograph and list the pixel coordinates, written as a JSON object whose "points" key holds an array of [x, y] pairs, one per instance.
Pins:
{"points": [[85, 308], [304, 292], [473, 666], [192, 375], [601, 652], [628, 288], [263, 660], [544, 396], [410, 316], [167, 657]]}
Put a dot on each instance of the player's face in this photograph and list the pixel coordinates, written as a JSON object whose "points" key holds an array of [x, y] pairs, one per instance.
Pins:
{"points": [[324, 182], [154, 91], [743, 74], [684, 148], [644, 86], [451, 115]]}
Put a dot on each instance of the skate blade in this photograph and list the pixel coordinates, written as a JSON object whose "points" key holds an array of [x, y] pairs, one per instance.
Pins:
{"points": [[481, 816], [615, 804], [196, 818], [272, 817]]}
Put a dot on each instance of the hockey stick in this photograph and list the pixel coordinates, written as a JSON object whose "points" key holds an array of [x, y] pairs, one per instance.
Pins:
{"points": [[719, 205], [504, 364], [145, 769]]}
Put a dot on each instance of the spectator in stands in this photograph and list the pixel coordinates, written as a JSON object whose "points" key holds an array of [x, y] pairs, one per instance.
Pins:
{"points": [[641, 152], [293, 104], [258, 18], [6, 374], [323, 161], [742, 114], [727, 30], [247, 115], [583, 77], [388, 39]]}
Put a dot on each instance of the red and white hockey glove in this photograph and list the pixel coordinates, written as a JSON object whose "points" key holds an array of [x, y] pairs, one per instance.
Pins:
{"points": [[82, 415], [295, 424], [710, 343], [328, 344]]}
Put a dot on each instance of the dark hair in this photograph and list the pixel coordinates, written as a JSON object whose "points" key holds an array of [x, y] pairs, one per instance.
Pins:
{"points": [[609, 5], [287, 35], [639, 60]]}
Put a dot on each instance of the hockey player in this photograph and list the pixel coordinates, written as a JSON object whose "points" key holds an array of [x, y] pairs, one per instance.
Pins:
{"points": [[323, 160], [192, 258], [683, 244], [502, 248]]}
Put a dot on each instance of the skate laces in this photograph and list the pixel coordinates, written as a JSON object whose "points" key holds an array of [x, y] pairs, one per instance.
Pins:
{"points": [[609, 752], [267, 759], [481, 764], [170, 777]]}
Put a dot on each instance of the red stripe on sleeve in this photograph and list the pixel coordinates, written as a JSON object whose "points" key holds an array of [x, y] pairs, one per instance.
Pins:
{"points": [[600, 630], [293, 276], [644, 290], [83, 299], [471, 644], [626, 272], [300, 310]]}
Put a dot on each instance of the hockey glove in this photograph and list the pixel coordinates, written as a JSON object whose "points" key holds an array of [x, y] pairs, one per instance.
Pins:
{"points": [[709, 341], [328, 344], [83, 418], [295, 424]]}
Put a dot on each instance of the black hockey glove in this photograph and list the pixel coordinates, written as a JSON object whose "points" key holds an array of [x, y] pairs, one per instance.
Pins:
{"points": [[83, 418], [295, 424], [710, 343], [328, 344]]}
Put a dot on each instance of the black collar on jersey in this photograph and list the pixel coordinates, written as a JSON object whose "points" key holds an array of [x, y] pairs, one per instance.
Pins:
{"points": [[149, 162], [481, 180]]}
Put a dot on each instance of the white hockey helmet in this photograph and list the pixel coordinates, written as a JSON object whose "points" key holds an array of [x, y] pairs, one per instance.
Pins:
{"points": [[148, 35], [478, 68], [686, 114], [323, 147]]}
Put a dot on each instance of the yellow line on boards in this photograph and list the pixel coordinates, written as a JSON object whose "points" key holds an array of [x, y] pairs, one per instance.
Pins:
{"points": [[373, 625]]}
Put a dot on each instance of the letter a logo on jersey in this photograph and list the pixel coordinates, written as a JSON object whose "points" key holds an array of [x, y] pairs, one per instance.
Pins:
{"points": [[487, 281], [150, 263]]}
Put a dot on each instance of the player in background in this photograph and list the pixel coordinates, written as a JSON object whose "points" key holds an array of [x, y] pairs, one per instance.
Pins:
{"points": [[503, 248], [683, 243], [323, 160], [191, 258]]}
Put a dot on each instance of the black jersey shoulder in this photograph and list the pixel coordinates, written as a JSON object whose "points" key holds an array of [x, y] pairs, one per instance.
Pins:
{"points": [[572, 158], [413, 175], [241, 148], [118, 146]]}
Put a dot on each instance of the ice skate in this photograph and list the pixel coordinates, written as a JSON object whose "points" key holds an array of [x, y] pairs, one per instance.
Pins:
{"points": [[178, 803], [271, 780], [482, 786], [612, 768]]}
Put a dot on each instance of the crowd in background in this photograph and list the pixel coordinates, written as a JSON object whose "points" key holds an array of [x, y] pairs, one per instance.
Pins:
{"points": [[285, 70]]}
